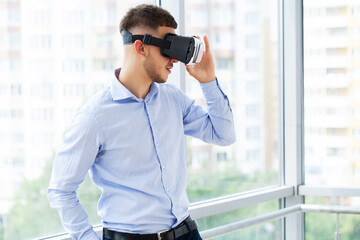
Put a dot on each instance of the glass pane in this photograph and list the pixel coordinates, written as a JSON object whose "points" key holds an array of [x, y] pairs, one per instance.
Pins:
{"points": [[269, 230], [53, 56], [323, 225], [243, 37], [332, 92]]}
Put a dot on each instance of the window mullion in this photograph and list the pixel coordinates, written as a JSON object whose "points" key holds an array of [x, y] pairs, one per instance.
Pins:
{"points": [[176, 8], [293, 112]]}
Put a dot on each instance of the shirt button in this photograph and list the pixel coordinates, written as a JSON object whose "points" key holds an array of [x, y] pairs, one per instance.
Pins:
{"points": [[164, 167], [157, 145], [168, 189]]}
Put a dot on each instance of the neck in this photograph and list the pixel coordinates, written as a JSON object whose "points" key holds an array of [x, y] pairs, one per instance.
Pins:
{"points": [[135, 80]]}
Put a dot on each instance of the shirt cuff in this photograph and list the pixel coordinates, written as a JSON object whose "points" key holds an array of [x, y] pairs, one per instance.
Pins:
{"points": [[91, 235], [212, 90]]}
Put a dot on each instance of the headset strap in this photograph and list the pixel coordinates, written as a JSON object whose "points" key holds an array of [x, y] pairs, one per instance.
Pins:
{"points": [[147, 39]]}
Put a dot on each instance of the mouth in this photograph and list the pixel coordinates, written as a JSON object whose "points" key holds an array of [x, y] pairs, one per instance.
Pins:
{"points": [[169, 69]]}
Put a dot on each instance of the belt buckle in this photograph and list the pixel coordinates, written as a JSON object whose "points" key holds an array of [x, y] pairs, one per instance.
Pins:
{"points": [[159, 234]]}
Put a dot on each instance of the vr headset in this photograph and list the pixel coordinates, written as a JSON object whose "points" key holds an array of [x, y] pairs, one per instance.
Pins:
{"points": [[188, 50]]}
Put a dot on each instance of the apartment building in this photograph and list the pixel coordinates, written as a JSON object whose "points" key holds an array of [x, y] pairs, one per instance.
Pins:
{"points": [[53, 56], [216, 20], [12, 139], [332, 63], [245, 50]]}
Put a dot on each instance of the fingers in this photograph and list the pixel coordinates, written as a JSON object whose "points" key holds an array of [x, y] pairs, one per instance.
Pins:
{"points": [[189, 68], [207, 45]]}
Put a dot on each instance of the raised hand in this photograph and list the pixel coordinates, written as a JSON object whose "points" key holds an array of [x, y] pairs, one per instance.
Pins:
{"points": [[204, 71]]}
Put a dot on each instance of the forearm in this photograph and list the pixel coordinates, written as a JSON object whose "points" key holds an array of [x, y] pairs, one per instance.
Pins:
{"points": [[214, 126], [220, 113], [72, 214]]}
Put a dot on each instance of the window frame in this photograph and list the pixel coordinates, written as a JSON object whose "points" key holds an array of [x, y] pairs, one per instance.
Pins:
{"points": [[291, 191]]}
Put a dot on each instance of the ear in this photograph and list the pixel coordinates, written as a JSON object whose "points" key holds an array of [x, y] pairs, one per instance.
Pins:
{"points": [[140, 48]]}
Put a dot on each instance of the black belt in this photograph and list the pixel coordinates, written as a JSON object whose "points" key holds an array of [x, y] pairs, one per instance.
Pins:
{"points": [[178, 231]]}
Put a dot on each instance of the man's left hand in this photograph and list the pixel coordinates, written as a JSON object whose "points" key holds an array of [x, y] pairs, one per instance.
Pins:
{"points": [[204, 71]]}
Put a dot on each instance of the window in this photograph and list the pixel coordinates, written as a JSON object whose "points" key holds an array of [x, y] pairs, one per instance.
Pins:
{"points": [[15, 89], [252, 87], [104, 64], [222, 16], [63, 68], [356, 113], [40, 42], [14, 17], [332, 110], [14, 64], [4, 90], [332, 151], [11, 114], [253, 133], [46, 74], [18, 162], [197, 16], [44, 90], [356, 133], [16, 114], [337, 31], [40, 17], [253, 110], [314, 170], [221, 156], [252, 155], [17, 137], [42, 138], [250, 44], [332, 11], [104, 16], [14, 41], [223, 40], [252, 18], [338, 116], [73, 41], [252, 64], [104, 41], [356, 11], [74, 90], [42, 115], [73, 65], [223, 63], [72, 17], [356, 153]]}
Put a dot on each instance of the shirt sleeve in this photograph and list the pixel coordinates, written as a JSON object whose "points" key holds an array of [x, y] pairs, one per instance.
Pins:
{"points": [[77, 155], [215, 125]]}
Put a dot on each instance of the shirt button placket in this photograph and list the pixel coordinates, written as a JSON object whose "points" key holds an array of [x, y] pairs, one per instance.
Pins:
{"points": [[157, 145]]}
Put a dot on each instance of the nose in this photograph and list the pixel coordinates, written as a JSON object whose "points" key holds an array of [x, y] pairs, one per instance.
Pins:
{"points": [[172, 60]]}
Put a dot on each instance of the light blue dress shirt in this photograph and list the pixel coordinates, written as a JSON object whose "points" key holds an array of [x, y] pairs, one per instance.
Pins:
{"points": [[135, 151]]}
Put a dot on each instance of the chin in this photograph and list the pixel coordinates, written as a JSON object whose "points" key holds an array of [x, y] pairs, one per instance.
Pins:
{"points": [[161, 81]]}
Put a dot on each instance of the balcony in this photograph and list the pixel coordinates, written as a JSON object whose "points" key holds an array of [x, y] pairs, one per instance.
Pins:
{"points": [[236, 201]]}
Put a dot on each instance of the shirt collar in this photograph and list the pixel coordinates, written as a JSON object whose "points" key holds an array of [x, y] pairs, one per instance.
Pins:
{"points": [[152, 92], [120, 92]]}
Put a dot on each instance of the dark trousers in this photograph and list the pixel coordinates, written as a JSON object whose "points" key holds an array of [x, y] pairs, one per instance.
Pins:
{"points": [[193, 235]]}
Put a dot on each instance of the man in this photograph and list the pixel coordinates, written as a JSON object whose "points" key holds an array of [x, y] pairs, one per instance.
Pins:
{"points": [[131, 136]]}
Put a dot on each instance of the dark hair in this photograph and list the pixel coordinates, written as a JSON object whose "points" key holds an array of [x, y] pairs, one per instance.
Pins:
{"points": [[149, 16]]}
